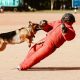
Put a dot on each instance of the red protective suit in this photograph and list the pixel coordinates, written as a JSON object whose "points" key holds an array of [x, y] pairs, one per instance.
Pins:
{"points": [[54, 39]]}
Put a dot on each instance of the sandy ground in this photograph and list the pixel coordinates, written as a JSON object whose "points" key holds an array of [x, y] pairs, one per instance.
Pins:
{"points": [[63, 64]]}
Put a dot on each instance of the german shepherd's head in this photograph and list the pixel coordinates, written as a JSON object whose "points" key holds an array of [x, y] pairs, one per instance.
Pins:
{"points": [[36, 27]]}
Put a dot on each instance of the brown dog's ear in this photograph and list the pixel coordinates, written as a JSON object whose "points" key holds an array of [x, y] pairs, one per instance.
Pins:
{"points": [[30, 23]]}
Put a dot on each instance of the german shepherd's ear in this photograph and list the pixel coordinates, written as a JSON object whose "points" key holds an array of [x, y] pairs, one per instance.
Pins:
{"points": [[30, 23]]}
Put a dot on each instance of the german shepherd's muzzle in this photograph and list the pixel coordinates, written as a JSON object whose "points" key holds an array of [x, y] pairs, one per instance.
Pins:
{"points": [[19, 36]]}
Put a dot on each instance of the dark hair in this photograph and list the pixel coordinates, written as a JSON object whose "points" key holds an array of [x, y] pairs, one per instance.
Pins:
{"points": [[68, 17]]}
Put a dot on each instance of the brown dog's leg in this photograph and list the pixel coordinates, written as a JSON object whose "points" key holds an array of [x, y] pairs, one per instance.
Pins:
{"points": [[28, 41], [2, 45], [1, 42]]}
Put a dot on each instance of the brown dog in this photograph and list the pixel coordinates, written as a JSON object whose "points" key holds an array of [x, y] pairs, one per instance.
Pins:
{"points": [[19, 36]]}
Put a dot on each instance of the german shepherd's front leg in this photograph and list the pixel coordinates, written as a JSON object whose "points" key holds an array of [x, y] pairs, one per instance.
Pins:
{"points": [[28, 41]]}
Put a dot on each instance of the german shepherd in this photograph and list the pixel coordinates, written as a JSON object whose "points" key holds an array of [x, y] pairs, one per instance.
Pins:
{"points": [[19, 35]]}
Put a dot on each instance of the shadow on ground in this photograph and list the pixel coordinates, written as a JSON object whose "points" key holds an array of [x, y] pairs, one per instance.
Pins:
{"points": [[52, 68]]}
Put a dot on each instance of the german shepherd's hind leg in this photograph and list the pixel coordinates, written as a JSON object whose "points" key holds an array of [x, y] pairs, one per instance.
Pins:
{"points": [[2, 45]]}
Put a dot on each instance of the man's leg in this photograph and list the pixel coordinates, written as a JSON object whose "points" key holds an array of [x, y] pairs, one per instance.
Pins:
{"points": [[36, 57]]}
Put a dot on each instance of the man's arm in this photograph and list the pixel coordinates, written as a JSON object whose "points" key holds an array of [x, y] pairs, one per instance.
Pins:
{"points": [[45, 25], [68, 32]]}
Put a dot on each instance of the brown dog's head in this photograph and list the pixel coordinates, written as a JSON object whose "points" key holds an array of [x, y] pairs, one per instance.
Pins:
{"points": [[35, 26]]}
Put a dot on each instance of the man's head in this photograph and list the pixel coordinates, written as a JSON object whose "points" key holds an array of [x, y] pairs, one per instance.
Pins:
{"points": [[68, 17]]}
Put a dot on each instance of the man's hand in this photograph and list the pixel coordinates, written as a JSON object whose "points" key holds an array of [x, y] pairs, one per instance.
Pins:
{"points": [[40, 42]]}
